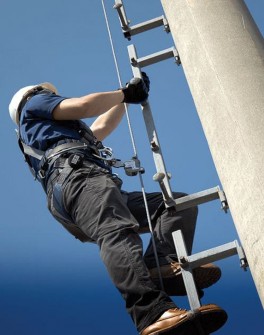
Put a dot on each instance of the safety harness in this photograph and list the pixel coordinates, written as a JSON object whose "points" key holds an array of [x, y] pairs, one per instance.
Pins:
{"points": [[66, 156]]}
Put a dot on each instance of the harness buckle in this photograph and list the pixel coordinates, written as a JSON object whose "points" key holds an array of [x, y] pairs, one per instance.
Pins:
{"points": [[106, 153], [41, 174]]}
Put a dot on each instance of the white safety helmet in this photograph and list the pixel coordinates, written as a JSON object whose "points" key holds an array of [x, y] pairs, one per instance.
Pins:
{"points": [[19, 95]]}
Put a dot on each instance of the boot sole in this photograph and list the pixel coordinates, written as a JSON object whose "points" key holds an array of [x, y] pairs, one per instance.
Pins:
{"points": [[205, 322], [211, 320], [179, 329]]}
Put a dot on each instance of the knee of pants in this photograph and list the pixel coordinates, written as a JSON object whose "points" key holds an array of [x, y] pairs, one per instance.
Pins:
{"points": [[192, 212], [119, 245]]}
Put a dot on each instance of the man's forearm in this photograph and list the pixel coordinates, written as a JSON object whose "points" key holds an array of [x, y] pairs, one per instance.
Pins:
{"points": [[107, 122], [87, 106]]}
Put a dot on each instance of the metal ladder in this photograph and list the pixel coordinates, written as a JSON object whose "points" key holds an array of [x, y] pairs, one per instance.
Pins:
{"points": [[187, 262]]}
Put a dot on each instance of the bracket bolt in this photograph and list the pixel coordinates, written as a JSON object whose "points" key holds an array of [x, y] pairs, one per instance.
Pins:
{"points": [[159, 176], [183, 260], [154, 146], [133, 61]]}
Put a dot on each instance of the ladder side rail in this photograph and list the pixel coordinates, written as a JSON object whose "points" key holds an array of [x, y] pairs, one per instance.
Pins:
{"points": [[153, 136], [122, 14], [187, 274]]}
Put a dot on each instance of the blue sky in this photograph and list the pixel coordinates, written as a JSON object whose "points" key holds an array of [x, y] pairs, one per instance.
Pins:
{"points": [[49, 282]]}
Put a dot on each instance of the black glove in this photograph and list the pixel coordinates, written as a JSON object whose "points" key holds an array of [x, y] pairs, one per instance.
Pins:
{"points": [[146, 80], [136, 90]]}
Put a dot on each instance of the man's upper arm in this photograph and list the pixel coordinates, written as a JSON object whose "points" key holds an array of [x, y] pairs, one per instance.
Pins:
{"points": [[43, 105], [69, 109]]}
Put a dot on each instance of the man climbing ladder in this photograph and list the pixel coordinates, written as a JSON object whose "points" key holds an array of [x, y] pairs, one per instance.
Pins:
{"points": [[69, 160]]}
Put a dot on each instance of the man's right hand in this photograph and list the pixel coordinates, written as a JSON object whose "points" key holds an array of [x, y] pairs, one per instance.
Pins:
{"points": [[136, 90]]}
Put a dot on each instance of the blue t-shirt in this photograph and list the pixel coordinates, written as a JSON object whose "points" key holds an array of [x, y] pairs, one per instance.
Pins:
{"points": [[39, 130]]}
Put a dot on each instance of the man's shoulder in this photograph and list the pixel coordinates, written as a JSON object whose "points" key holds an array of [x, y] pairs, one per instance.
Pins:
{"points": [[42, 105], [47, 98]]}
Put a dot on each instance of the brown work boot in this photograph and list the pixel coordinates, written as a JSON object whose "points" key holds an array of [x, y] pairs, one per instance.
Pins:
{"points": [[174, 318], [210, 317], [176, 321], [204, 276]]}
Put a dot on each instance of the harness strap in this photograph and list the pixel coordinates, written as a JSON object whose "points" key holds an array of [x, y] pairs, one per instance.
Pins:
{"points": [[35, 91], [32, 151], [40, 155], [57, 203], [57, 194]]}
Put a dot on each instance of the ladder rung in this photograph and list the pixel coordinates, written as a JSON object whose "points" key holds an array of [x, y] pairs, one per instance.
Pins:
{"points": [[202, 197], [145, 26], [141, 27], [213, 254], [156, 57]]}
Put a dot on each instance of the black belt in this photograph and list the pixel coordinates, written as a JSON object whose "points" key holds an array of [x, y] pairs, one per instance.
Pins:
{"points": [[61, 149], [64, 165]]}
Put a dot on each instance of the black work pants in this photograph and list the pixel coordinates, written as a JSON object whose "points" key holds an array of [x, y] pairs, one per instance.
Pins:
{"points": [[113, 220]]}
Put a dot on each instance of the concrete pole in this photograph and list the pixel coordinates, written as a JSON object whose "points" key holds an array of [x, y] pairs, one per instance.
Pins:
{"points": [[222, 54]]}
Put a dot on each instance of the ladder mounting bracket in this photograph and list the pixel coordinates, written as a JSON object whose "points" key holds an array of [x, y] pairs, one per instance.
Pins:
{"points": [[190, 262], [130, 31], [145, 26], [202, 197], [156, 57]]}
